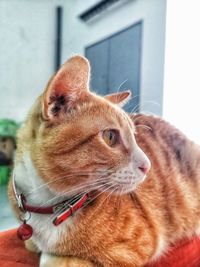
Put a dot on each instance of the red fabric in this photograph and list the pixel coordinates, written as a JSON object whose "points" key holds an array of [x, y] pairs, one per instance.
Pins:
{"points": [[186, 254], [14, 254]]}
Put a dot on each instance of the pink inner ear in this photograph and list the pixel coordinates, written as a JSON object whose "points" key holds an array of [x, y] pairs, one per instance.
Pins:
{"points": [[119, 98], [60, 85], [66, 87], [55, 100]]}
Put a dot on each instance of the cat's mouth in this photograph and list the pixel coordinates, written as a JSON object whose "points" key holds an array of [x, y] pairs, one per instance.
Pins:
{"points": [[127, 187], [122, 186]]}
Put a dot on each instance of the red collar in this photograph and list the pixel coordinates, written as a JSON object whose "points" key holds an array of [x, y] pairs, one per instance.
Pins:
{"points": [[62, 210]]}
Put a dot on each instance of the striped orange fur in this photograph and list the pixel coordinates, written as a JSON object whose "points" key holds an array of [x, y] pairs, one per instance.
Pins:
{"points": [[62, 150]]}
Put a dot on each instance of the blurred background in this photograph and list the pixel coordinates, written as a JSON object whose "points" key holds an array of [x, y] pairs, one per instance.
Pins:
{"points": [[148, 46]]}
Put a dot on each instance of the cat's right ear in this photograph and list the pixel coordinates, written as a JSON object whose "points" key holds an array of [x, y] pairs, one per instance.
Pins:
{"points": [[120, 98], [66, 88]]}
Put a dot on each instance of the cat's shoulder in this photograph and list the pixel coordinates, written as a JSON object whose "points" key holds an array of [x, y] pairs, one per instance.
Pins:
{"points": [[158, 128]]}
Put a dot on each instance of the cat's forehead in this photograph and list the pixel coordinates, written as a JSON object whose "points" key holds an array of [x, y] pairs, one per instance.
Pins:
{"points": [[92, 116], [99, 112]]}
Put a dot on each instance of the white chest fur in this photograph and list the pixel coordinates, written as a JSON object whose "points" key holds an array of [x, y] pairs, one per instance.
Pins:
{"points": [[45, 235]]}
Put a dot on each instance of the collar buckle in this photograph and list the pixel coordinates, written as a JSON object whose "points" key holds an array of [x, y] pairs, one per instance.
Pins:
{"points": [[67, 208], [61, 206]]}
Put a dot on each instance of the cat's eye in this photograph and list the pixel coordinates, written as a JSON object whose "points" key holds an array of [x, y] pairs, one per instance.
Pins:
{"points": [[111, 137]]}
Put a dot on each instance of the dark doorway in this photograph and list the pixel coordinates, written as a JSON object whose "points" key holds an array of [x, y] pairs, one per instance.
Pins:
{"points": [[115, 62]]}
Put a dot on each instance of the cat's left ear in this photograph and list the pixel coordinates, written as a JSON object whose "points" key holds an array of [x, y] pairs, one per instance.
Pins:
{"points": [[120, 98], [68, 87]]}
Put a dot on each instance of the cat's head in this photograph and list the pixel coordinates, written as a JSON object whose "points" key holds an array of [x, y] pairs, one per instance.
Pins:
{"points": [[80, 141]]}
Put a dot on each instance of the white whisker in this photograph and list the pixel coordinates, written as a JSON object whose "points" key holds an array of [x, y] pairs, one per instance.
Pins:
{"points": [[115, 188], [73, 190], [118, 89], [98, 187], [143, 126], [62, 178]]}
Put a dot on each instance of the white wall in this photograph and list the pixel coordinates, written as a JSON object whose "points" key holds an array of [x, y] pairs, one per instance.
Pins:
{"points": [[27, 46], [78, 35], [26, 53], [182, 68]]}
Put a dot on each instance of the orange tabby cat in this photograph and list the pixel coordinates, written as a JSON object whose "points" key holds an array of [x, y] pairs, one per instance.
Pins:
{"points": [[74, 141]]}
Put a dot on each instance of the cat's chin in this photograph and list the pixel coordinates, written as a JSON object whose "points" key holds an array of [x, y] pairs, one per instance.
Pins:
{"points": [[129, 187], [124, 190]]}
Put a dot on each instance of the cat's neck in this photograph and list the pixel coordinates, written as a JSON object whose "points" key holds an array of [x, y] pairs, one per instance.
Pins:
{"points": [[31, 185]]}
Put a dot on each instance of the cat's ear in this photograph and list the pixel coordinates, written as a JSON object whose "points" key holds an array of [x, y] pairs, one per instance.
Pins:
{"points": [[120, 98], [66, 88]]}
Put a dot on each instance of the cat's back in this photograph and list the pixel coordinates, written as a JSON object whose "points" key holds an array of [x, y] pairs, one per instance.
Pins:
{"points": [[171, 191], [168, 148]]}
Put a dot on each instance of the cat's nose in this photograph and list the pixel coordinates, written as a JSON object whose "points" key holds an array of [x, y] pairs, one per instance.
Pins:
{"points": [[142, 162], [145, 167]]}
